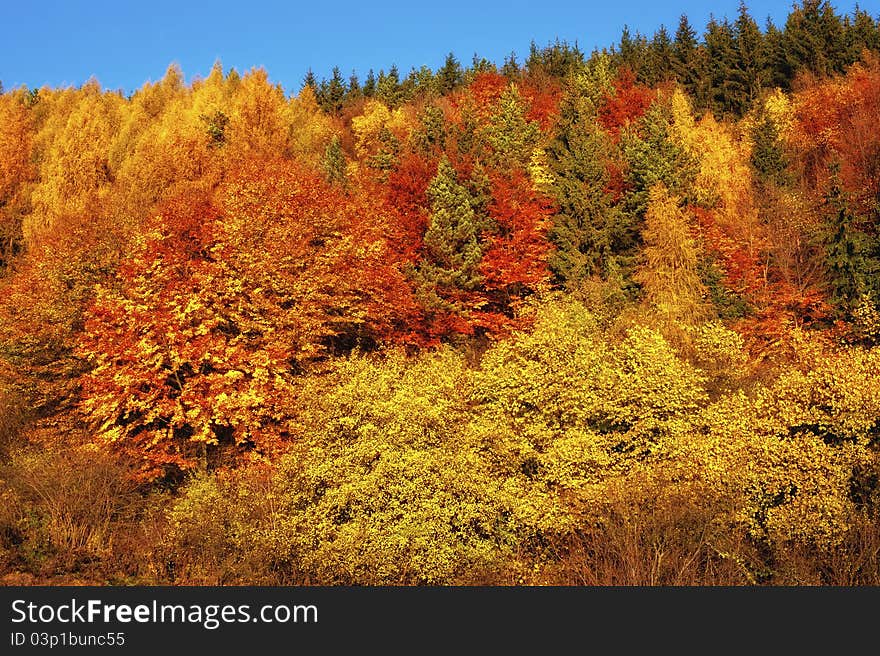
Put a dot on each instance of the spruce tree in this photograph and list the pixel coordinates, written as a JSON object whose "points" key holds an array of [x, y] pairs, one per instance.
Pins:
{"points": [[850, 272], [511, 135], [333, 163], [452, 250], [750, 66], [450, 75], [585, 230], [369, 88], [684, 49]]}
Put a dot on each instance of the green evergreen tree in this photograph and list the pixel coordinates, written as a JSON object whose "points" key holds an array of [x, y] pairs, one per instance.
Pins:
{"points": [[851, 271], [388, 87], [354, 88], [814, 39], [689, 63], [768, 157], [653, 155], [586, 229], [452, 250], [431, 135], [450, 75], [310, 81], [726, 86], [333, 163], [332, 94], [778, 71], [860, 33], [369, 88], [511, 69], [750, 66], [511, 135], [659, 66]]}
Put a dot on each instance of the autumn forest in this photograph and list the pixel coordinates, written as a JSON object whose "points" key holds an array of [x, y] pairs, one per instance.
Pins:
{"points": [[566, 319]]}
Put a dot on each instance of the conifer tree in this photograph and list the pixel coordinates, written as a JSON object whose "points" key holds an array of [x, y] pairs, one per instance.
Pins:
{"points": [[333, 163], [586, 229], [750, 68], [450, 75], [512, 136], [388, 87], [684, 49], [814, 39], [369, 88], [778, 70], [668, 272], [452, 250], [851, 270]]}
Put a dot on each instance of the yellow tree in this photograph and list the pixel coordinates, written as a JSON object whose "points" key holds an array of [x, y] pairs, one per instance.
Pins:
{"points": [[668, 273], [75, 172], [16, 170], [258, 124]]}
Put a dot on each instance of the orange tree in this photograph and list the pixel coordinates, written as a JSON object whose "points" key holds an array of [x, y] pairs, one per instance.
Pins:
{"points": [[224, 301]]}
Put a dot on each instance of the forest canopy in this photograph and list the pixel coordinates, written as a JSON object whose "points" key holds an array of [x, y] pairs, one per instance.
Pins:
{"points": [[583, 318]]}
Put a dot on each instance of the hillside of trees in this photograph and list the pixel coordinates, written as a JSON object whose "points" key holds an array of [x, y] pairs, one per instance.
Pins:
{"points": [[581, 319]]}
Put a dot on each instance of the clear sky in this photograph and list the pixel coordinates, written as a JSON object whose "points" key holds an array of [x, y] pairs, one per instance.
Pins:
{"points": [[124, 43]]}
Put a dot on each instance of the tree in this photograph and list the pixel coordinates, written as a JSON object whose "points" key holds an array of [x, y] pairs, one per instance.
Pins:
{"points": [[450, 75], [452, 250], [668, 272], [851, 269], [333, 163], [194, 350], [17, 172], [814, 39], [750, 66], [511, 136], [586, 229]]}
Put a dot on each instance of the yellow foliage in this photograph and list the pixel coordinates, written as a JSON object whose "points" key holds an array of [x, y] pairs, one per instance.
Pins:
{"points": [[310, 130], [75, 168], [376, 117]]}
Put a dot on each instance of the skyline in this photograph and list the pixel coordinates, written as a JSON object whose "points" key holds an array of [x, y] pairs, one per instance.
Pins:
{"points": [[125, 46]]}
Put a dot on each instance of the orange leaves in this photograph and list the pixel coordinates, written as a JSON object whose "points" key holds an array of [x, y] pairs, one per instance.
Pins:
{"points": [[224, 302], [516, 250], [836, 120], [626, 105]]}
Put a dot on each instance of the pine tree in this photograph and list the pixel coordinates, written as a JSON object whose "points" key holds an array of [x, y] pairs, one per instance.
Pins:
{"points": [[450, 75], [452, 250], [585, 230], [369, 88]]}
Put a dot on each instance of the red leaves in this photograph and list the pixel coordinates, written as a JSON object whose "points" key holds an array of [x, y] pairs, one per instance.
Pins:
{"points": [[626, 105], [836, 122], [516, 251]]}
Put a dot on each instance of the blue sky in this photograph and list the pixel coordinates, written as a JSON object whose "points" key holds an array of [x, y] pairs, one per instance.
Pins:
{"points": [[123, 43]]}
